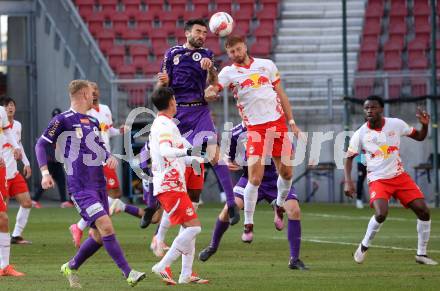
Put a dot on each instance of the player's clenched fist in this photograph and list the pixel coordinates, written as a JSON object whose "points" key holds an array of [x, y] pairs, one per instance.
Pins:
{"points": [[206, 63], [349, 189], [112, 162], [47, 181], [163, 78]]}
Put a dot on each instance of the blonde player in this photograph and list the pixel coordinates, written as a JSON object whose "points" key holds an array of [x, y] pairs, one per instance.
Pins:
{"points": [[5, 240], [17, 186], [168, 149], [265, 111]]}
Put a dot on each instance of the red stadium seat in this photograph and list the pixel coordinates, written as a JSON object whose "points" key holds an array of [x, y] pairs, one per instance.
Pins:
{"points": [[420, 43], [363, 87], [106, 39], [393, 61], [169, 23], [242, 26], [214, 45], [159, 46], [394, 87], [224, 5], [155, 7], [417, 60], [398, 8], [178, 7], [132, 6], [397, 25], [152, 68], [419, 86], [261, 48], [367, 61], [86, 11], [244, 10], [372, 26], [120, 22], [116, 56], [108, 6], [394, 43], [370, 43], [421, 8], [126, 71], [422, 25], [374, 9], [95, 23]]}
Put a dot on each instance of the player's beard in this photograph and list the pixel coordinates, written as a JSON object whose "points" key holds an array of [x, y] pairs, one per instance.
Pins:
{"points": [[240, 59], [196, 43]]}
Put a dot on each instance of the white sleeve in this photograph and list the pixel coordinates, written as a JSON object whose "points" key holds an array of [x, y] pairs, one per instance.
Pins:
{"points": [[167, 151], [223, 79], [273, 73], [354, 147], [404, 128]]}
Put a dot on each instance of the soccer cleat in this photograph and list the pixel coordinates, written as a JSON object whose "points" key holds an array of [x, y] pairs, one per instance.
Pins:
{"points": [[36, 204], [71, 275], [359, 204], [76, 235], [278, 218], [66, 204], [18, 240], [234, 215], [158, 248], [193, 279], [297, 264], [147, 217], [359, 255], [135, 277], [10, 271], [165, 275], [116, 207], [206, 253], [248, 233], [425, 260]]}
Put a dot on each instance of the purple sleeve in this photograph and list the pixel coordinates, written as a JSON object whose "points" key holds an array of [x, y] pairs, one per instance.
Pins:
{"points": [[55, 128], [40, 151]]}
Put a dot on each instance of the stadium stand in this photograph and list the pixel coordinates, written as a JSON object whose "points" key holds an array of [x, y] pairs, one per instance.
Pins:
{"points": [[134, 33], [404, 28]]}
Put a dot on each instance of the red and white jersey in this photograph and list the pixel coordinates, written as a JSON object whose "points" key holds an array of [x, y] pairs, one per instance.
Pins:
{"points": [[8, 151], [253, 88], [381, 148], [168, 173], [4, 124], [104, 116]]}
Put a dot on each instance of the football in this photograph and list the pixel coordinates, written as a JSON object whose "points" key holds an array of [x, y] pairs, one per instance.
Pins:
{"points": [[221, 24]]}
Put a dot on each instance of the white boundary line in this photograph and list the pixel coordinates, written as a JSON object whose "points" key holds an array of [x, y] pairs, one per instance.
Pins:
{"points": [[358, 217]]}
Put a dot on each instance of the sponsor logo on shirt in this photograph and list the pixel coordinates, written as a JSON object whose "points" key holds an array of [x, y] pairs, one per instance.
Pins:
{"points": [[196, 56], [54, 127], [84, 121], [176, 59], [384, 151], [373, 194], [79, 132], [189, 211], [255, 81]]}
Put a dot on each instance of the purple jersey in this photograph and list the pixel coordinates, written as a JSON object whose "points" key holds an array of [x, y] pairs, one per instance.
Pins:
{"points": [[237, 152], [187, 78], [83, 152]]}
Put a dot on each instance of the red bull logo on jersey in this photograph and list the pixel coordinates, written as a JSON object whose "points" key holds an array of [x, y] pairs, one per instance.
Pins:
{"points": [[384, 151], [255, 81]]}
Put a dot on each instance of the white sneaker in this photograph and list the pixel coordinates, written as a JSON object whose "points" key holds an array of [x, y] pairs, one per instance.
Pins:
{"points": [[425, 260], [359, 204], [116, 207], [359, 256]]}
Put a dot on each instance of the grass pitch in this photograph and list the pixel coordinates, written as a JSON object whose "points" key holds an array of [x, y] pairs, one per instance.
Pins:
{"points": [[330, 235]]}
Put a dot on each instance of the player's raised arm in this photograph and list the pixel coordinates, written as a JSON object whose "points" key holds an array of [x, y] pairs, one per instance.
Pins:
{"points": [[423, 118]]}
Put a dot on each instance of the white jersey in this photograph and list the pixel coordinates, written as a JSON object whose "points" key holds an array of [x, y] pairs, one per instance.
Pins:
{"points": [[11, 163], [253, 88], [381, 148], [104, 116], [168, 173]]}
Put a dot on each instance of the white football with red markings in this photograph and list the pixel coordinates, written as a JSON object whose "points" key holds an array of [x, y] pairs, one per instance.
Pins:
{"points": [[221, 24]]}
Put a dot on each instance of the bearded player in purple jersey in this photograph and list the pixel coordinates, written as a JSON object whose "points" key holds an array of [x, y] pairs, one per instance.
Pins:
{"points": [[267, 191], [187, 69], [84, 155]]}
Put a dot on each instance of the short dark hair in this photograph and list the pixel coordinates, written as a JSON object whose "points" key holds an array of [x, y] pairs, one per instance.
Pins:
{"points": [[233, 40], [4, 101], [161, 97], [376, 98], [190, 23]]}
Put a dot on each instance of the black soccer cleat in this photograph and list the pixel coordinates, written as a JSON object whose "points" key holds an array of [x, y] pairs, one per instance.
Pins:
{"points": [[147, 217], [234, 215], [297, 264], [18, 240], [206, 253]]}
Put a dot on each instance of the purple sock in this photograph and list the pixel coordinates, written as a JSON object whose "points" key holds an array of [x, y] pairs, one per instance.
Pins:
{"points": [[294, 237], [87, 249], [113, 248], [132, 210], [219, 229], [224, 178]]}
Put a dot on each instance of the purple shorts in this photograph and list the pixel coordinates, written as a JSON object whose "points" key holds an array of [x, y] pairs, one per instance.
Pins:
{"points": [[195, 123], [91, 205], [265, 191]]}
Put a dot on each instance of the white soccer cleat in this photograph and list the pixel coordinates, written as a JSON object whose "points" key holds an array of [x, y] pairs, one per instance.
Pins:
{"points": [[425, 260], [359, 204], [164, 274], [116, 207], [359, 255]]}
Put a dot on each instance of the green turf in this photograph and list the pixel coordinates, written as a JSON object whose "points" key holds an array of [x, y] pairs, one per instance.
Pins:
{"points": [[261, 265]]}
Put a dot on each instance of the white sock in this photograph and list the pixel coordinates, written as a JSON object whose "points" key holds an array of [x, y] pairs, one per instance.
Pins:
{"points": [[82, 224], [5, 249], [181, 245], [163, 227], [187, 261], [250, 200], [283, 186], [110, 200], [423, 231], [372, 229], [21, 221], [196, 206]]}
